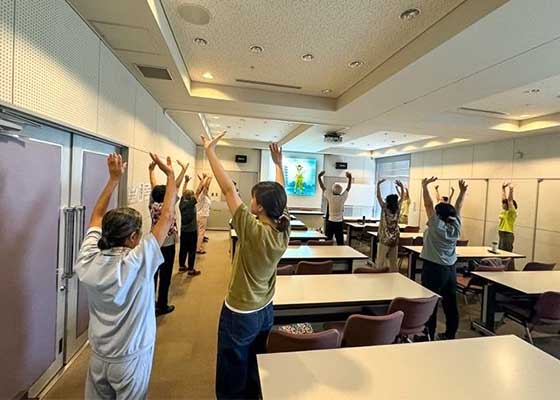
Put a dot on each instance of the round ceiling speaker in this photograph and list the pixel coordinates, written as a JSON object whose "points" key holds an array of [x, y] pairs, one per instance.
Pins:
{"points": [[194, 14]]}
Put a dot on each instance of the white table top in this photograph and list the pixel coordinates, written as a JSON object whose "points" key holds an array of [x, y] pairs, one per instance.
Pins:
{"points": [[296, 222], [497, 368], [473, 252], [359, 225], [320, 252], [403, 235], [528, 282], [295, 235], [306, 212], [344, 288]]}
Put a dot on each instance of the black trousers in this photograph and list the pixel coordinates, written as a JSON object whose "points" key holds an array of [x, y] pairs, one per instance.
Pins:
{"points": [[335, 229], [164, 273], [442, 279], [188, 249]]}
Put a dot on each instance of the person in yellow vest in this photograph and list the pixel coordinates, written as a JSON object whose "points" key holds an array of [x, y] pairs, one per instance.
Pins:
{"points": [[508, 215]]}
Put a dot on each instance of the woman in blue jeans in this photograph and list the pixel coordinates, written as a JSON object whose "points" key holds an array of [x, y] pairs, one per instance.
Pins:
{"points": [[263, 231]]}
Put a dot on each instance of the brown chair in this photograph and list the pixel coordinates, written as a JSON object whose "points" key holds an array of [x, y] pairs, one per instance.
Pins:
{"points": [[314, 268], [538, 266], [402, 253], [463, 242], [286, 270], [411, 229], [417, 312], [320, 242], [418, 241], [475, 285], [294, 243], [545, 312], [368, 270], [365, 330], [280, 342]]}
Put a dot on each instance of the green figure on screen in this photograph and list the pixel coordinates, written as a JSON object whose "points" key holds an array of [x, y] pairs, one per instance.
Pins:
{"points": [[299, 185]]}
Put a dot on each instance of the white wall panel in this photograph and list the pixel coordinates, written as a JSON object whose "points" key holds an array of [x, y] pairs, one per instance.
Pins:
{"points": [[56, 60], [541, 158], [472, 229], [145, 127], [525, 193], [415, 193], [417, 166], [458, 162], [493, 160], [475, 199], [548, 214], [362, 168], [6, 49], [432, 163], [117, 91], [546, 247]]}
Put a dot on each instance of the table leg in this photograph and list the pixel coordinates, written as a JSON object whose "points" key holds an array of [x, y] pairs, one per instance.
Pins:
{"points": [[487, 311], [412, 258], [349, 234]]}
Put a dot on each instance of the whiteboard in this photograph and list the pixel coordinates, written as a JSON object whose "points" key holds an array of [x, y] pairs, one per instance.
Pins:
{"points": [[361, 195]]}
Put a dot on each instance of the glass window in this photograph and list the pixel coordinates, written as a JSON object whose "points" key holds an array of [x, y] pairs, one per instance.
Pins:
{"points": [[391, 169]]}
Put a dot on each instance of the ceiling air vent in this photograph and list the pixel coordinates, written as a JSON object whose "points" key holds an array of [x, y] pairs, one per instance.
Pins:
{"points": [[478, 110], [278, 85], [154, 72]]}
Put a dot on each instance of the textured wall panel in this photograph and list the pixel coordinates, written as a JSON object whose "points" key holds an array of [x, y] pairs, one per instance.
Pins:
{"points": [[117, 90], [56, 63], [6, 49], [145, 120]]}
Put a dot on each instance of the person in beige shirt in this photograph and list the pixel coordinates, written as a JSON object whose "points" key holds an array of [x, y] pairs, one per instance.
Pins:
{"points": [[263, 231]]}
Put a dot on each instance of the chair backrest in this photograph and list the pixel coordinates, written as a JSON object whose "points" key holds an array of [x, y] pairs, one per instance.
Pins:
{"points": [[314, 268], [294, 243], [365, 330], [279, 341], [368, 270], [320, 242], [412, 229], [418, 241], [417, 312], [463, 242], [538, 266], [491, 262], [406, 241], [547, 308], [286, 270]]}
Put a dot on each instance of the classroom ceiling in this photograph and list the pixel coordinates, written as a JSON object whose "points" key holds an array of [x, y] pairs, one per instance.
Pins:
{"points": [[260, 130], [331, 34], [416, 78], [382, 140]]}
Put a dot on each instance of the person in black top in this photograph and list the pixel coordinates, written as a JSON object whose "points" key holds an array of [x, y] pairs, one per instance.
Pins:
{"points": [[189, 231]]}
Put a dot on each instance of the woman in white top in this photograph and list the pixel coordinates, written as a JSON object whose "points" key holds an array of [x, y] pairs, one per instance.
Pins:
{"points": [[116, 265], [203, 211]]}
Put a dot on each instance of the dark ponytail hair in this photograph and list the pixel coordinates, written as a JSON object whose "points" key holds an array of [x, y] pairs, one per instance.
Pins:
{"points": [[445, 212], [117, 225], [392, 203], [271, 196]]}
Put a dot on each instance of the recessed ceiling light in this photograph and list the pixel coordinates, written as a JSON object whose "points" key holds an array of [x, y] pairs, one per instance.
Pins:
{"points": [[326, 91], [215, 117], [307, 57], [200, 41], [524, 116], [409, 14], [355, 64], [256, 49], [207, 75]]}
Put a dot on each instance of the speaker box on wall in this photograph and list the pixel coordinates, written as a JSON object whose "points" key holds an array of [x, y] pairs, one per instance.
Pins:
{"points": [[341, 165], [241, 159]]}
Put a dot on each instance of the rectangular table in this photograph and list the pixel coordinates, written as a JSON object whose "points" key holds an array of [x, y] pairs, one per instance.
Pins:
{"points": [[318, 297], [342, 256], [352, 227], [304, 236], [373, 241], [298, 225], [530, 283], [464, 253], [497, 368]]}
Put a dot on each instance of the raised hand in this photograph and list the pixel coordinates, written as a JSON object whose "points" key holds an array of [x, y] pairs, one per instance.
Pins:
{"points": [[152, 166], [116, 166], [348, 175], [463, 186], [399, 184], [505, 185], [379, 182], [276, 153], [452, 190], [166, 168], [321, 174], [183, 166], [427, 181], [187, 178], [211, 143]]}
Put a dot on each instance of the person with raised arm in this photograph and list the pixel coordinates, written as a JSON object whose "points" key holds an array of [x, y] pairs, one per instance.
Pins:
{"points": [[189, 229], [263, 230], [203, 210], [405, 206], [116, 266], [389, 233], [439, 256], [508, 215], [168, 248], [335, 197]]}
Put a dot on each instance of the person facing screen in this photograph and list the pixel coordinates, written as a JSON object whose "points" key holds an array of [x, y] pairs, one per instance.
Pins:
{"points": [[336, 197]]}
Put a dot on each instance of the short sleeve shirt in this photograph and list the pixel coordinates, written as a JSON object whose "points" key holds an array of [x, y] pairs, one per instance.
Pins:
{"points": [[259, 249], [120, 288], [335, 204], [188, 214], [155, 213], [440, 240], [507, 220]]}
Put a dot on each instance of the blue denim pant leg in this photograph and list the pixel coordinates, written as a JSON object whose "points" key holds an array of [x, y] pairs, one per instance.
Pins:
{"points": [[240, 338]]}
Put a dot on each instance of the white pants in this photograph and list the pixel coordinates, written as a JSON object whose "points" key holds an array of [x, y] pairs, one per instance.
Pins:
{"points": [[202, 223], [387, 256], [127, 379]]}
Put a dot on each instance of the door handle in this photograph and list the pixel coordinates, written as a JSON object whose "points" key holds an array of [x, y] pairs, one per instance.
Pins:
{"points": [[79, 221], [69, 216]]}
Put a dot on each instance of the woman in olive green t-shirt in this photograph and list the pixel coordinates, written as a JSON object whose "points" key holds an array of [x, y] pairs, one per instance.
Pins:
{"points": [[263, 232], [508, 215]]}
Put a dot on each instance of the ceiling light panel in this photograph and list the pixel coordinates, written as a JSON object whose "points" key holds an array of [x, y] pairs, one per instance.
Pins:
{"points": [[345, 31], [381, 139], [252, 129]]}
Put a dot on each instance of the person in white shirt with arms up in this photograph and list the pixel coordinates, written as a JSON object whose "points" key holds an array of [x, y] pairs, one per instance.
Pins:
{"points": [[336, 197], [203, 211], [116, 265]]}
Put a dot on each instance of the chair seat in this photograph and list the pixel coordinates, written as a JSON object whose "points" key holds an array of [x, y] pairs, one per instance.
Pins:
{"points": [[463, 281], [517, 310]]}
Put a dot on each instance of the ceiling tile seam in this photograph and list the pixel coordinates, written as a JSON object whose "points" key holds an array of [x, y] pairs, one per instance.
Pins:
{"points": [[459, 80]]}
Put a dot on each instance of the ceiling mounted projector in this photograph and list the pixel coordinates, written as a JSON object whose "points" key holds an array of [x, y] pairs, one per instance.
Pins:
{"points": [[333, 137]]}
